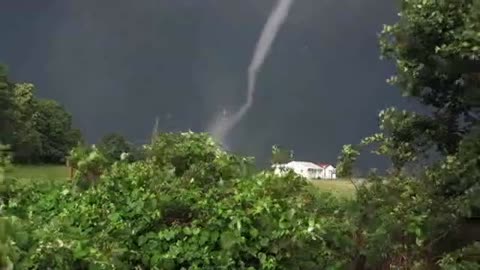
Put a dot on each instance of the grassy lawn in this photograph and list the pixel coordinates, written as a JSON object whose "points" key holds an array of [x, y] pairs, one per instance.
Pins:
{"points": [[338, 187], [44, 172]]}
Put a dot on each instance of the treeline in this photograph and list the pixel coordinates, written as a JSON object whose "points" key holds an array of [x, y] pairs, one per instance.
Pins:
{"points": [[41, 131], [36, 130], [191, 205]]}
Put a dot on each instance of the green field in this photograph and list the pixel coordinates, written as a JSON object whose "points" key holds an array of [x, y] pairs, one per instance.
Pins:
{"points": [[45, 172], [338, 187], [59, 172]]}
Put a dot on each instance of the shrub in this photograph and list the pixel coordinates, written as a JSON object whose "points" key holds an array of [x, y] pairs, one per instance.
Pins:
{"points": [[89, 163], [112, 146], [188, 205]]}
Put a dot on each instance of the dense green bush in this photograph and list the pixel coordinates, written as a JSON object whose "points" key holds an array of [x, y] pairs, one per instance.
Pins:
{"points": [[190, 205], [89, 163], [38, 130], [407, 218], [186, 204], [113, 145]]}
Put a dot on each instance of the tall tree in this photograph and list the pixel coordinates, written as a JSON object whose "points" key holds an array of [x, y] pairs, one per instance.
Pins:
{"points": [[280, 155], [436, 48], [54, 125], [27, 144], [6, 107], [113, 145], [36, 130]]}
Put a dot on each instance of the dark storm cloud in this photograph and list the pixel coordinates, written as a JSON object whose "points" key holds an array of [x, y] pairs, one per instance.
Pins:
{"points": [[117, 64]]}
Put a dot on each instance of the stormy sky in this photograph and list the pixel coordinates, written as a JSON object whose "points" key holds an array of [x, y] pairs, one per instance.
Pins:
{"points": [[118, 64]]}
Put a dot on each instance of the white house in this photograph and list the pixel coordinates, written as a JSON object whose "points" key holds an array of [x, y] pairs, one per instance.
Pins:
{"points": [[306, 169], [328, 171]]}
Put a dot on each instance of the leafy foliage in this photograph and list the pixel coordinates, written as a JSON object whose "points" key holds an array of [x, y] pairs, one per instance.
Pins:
{"points": [[280, 155], [404, 219], [39, 131], [464, 259], [55, 127], [89, 163], [5, 158], [435, 47], [28, 141], [188, 205], [114, 145], [6, 107], [6, 249], [347, 160]]}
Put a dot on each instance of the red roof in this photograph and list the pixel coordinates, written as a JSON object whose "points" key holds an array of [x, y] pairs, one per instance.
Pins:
{"points": [[323, 165]]}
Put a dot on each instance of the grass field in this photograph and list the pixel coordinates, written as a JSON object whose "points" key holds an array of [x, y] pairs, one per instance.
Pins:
{"points": [[45, 172], [338, 187]]}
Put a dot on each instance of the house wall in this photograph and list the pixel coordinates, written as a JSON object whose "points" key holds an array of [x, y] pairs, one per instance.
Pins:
{"points": [[312, 173], [309, 172], [329, 173], [316, 173], [298, 169]]}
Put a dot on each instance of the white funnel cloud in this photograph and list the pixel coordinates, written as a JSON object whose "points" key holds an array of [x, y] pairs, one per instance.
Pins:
{"points": [[223, 125]]}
